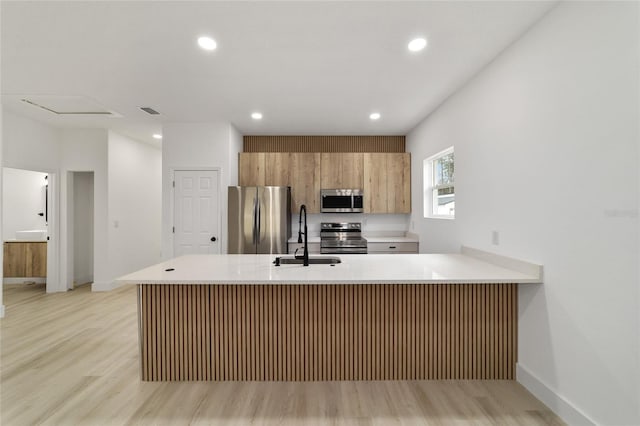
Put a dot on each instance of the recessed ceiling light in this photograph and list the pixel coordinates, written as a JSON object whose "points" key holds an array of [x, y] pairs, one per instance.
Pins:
{"points": [[417, 44], [207, 43], [157, 136], [374, 116], [256, 115]]}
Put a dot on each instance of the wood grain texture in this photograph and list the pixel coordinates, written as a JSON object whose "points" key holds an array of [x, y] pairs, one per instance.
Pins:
{"points": [[251, 169], [82, 368], [15, 260], [342, 170], [387, 183], [328, 332], [36, 259], [304, 181], [25, 259], [324, 144], [277, 169]]}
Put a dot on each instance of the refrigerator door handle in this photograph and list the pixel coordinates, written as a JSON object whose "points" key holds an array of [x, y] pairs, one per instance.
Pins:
{"points": [[259, 233], [255, 221]]}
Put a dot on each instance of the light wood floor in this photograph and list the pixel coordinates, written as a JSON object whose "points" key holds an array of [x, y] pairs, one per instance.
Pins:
{"points": [[72, 359]]}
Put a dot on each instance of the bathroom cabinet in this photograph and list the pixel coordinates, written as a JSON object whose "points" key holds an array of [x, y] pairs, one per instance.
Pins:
{"points": [[25, 259]]}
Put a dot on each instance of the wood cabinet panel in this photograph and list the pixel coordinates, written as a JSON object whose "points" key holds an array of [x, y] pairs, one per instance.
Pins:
{"points": [[304, 179], [251, 169], [36, 259], [375, 185], [14, 264], [28, 259], [342, 170], [385, 177], [399, 183], [387, 183], [277, 169]]}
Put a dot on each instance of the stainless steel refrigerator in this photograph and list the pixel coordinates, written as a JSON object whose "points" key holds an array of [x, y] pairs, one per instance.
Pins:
{"points": [[259, 219]]}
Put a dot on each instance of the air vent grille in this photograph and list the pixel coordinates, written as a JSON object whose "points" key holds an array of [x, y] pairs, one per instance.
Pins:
{"points": [[150, 110]]}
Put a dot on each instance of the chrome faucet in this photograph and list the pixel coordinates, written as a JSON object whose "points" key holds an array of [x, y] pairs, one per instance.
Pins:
{"points": [[306, 242]]}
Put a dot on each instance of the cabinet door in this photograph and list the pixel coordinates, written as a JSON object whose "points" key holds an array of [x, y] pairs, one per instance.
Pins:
{"points": [[251, 169], [36, 259], [387, 183], [14, 264], [304, 179], [277, 169], [375, 183], [342, 170], [399, 183]]}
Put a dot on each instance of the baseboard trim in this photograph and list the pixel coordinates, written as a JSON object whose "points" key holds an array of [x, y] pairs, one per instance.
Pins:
{"points": [[557, 403], [82, 280]]}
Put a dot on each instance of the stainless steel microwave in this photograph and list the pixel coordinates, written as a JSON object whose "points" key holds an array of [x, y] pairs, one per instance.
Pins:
{"points": [[341, 201]]}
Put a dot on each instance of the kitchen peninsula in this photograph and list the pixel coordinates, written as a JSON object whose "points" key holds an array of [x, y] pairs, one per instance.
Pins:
{"points": [[371, 317]]}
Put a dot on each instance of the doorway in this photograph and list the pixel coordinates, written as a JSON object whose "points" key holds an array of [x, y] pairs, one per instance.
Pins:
{"points": [[29, 211], [82, 230], [196, 215]]}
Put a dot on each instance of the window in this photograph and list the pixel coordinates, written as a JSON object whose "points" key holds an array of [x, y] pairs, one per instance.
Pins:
{"points": [[439, 194]]}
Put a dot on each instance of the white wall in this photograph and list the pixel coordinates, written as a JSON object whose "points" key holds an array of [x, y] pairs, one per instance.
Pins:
{"points": [[192, 146], [235, 146], [83, 227], [389, 223], [134, 205], [1, 251], [85, 150], [546, 147], [23, 197], [30, 145]]}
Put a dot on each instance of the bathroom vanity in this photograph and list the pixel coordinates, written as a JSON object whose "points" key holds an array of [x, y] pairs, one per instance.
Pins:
{"points": [[25, 259]]}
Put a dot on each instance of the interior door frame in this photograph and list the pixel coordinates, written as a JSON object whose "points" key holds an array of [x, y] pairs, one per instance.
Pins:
{"points": [[172, 203], [53, 281]]}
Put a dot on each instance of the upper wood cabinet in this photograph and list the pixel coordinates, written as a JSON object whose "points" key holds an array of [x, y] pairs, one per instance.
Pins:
{"points": [[304, 180], [342, 170], [251, 169], [299, 170], [384, 177], [387, 183]]}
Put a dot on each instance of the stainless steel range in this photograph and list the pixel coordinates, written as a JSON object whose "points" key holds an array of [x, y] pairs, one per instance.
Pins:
{"points": [[345, 238]]}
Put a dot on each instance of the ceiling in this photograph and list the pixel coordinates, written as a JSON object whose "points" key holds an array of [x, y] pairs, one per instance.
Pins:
{"points": [[309, 67]]}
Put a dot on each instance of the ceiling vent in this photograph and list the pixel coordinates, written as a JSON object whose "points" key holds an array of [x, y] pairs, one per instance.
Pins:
{"points": [[150, 110], [69, 105]]}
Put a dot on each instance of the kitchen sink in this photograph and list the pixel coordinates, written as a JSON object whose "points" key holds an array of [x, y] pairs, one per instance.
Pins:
{"points": [[313, 260]]}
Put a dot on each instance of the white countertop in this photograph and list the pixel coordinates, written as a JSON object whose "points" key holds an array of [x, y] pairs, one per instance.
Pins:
{"points": [[14, 240], [354, 269]]}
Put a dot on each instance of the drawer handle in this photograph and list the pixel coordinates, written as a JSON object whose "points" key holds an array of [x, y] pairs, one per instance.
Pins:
{"points": [[392, 247]]}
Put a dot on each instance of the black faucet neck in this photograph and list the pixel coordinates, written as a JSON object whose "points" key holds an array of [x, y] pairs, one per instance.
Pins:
{"points": [[303, 208]]}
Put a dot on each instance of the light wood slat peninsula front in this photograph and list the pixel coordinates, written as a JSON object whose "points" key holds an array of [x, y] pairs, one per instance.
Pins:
{"points": [[348, 322]]}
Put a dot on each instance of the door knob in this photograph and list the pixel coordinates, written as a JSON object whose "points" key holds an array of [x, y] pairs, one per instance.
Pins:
{"points": [[213, 238]]}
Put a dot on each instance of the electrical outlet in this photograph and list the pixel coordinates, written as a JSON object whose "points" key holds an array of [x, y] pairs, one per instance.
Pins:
{"points": [[495, 238], [116, 223]]}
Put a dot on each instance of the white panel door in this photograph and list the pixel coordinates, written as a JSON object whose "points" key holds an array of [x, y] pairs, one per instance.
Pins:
{"points": [[196, 212]]}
